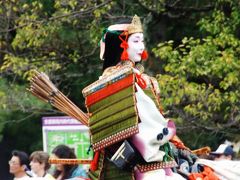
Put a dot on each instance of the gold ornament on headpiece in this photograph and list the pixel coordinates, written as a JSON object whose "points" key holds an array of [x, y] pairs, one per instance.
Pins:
{"points": [[135, 26]]}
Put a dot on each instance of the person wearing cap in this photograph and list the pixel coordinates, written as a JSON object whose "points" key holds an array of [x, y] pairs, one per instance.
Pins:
{"points": [[122, 50], [223, 152], [218, 165]]}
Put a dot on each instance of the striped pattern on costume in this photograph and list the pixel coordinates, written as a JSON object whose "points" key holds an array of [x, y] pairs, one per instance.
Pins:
{"points": [[111, 104]]}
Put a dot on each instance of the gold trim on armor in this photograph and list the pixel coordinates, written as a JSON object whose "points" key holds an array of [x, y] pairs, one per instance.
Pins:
{"points": [[156, 165], [106, 80], [115, 138]]}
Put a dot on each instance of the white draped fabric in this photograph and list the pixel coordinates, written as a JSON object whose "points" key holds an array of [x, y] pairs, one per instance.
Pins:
{"points": [[152, 123], [224, 169]]}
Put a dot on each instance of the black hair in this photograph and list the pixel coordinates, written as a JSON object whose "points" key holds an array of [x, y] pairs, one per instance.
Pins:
{"points": [[113, 51], [23, 157], [63, 151]]}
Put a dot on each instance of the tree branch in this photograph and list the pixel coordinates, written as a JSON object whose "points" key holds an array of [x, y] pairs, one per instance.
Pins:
{"points": [[188, 9], [74, 13]]}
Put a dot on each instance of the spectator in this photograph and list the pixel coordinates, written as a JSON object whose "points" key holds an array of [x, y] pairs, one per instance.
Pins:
{"points": [[39, 164], [66, 171], [18, 165], [223, 152]]}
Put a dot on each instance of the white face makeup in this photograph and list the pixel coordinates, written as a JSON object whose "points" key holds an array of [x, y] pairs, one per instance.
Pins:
{"points": [[135, 46]]}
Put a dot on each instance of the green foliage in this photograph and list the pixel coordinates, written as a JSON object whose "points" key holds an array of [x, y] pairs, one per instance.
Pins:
{"points": [[199, 67], [19, 108], [22, 131], [49, 45], [15, 97], [200, 83], [59, 38]]}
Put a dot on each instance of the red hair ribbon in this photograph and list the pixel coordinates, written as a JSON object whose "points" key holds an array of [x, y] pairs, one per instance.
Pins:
{"points": [[124, 45]]}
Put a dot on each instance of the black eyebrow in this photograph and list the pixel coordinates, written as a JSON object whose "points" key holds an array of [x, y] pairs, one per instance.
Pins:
{"points": [[138, 37]]}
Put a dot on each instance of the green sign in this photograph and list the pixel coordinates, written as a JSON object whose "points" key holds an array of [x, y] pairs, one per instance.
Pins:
{"points": [[79, 140]]}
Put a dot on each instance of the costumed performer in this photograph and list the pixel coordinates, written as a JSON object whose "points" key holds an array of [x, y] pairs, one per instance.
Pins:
{"points": [[124, 105]]}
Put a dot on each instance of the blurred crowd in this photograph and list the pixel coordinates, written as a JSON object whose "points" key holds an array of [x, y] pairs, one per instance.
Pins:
{"points": [[36, 166]]}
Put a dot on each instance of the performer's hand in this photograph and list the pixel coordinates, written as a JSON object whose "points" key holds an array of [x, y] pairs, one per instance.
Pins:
{"points": [[179, 153], [188, 155]]}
